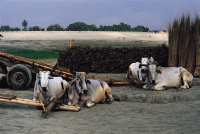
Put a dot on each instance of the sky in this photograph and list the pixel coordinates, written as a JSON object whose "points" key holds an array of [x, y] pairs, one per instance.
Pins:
{"points": [[154, 14]]}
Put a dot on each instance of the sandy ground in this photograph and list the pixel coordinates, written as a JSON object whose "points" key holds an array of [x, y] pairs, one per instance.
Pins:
{"points": [[134, 111], [84, 35]]}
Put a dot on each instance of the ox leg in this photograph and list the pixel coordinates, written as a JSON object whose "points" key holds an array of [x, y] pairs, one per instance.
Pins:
{"points": [[185, 86], [128, 75], [185, 81], [89, 104], [147, 86], [159, 87], [35, 96], [108, 92], [72, 100], [70, 103]]}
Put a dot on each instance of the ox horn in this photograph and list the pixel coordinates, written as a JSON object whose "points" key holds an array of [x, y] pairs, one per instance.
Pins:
{"points": [[35, 68]]}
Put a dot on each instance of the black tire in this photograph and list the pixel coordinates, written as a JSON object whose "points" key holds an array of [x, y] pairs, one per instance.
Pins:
{"points": [[19, 77]]}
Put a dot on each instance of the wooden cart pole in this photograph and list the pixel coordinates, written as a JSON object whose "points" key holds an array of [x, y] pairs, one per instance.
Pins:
{"points": [[40, 100]]}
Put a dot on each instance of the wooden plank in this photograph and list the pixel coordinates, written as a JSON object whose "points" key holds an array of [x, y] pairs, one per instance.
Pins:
{"points": [[70, 108], [36, 103], [22, 101]]}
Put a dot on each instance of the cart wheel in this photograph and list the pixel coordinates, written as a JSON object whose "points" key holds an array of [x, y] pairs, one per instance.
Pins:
{"points": [[19, 77]]}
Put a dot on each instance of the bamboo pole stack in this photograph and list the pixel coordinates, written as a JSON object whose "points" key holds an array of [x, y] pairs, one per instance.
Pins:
{"points": [[184, 47]]}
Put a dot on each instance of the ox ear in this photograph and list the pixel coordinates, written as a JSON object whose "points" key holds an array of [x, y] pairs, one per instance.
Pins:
{"points": [[88, 82], [151, 59], [50, 77], [155, 63], [54, 68], [74, 74], [73, 83]]}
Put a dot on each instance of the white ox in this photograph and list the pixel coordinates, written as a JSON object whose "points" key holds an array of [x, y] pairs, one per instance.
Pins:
{"points": [[160, 77], [137, 71], [88, 91], [49, 87]]}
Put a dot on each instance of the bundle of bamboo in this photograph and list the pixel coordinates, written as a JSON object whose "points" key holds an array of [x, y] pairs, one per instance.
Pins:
{"points": [[184, 44]]}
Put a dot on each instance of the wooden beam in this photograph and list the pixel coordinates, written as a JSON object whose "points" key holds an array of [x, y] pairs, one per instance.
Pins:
{"points": [[36, 103]]}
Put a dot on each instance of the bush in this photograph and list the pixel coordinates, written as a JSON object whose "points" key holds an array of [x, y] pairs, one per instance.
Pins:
{"points": [[108, 59]]}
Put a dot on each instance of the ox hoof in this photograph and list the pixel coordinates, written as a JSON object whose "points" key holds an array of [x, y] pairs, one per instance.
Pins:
{"points": [[165, 88], [145, 86], [90, 105], [108, 102], [69, 103], [179, 89], [183, 87]]}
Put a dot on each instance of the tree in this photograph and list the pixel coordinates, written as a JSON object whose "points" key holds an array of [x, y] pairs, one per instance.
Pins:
{"points": [[78, 26], [141, 29], [55, 27], [24, 24], [16, 29], [34, 28], [5, 28], [120, 27], [81, 26]]}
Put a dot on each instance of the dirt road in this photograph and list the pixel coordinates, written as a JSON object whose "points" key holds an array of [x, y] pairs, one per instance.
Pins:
{"points": [[138, 111]]}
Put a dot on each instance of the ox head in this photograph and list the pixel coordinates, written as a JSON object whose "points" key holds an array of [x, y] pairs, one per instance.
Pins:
{"points": [[80, 82], [151, 70], [43, 79], [143, 67]]}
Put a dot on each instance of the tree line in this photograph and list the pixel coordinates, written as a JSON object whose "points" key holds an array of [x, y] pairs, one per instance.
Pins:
{"points": [[77, 26]]}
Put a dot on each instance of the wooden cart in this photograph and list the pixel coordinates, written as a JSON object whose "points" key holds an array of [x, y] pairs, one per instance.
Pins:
{"points": [[21, 70]]}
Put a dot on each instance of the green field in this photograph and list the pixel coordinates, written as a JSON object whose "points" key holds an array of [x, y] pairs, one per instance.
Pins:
{"points": [[35, 54], [49, 49]]}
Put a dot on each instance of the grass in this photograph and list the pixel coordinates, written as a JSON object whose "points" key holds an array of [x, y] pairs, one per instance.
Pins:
{"points": [[31, 54]]}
